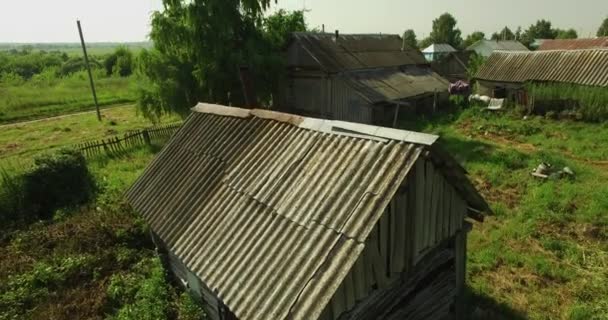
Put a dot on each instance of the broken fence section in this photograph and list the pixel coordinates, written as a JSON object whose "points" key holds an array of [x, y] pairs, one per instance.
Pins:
{"points": [[116, 146]]}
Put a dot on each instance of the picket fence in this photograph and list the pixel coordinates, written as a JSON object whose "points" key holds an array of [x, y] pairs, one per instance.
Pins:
{"points": [[119, 145]]}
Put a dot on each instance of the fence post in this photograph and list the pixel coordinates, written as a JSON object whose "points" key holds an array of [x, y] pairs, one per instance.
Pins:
{"points": [[146, 135]]}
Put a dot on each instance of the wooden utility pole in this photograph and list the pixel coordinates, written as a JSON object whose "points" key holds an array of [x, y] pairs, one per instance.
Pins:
{"points": [[86, 61]]}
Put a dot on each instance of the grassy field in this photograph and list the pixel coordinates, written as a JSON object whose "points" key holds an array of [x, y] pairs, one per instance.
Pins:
{"points": [[19, 142], [38, 99], [544, 254]]}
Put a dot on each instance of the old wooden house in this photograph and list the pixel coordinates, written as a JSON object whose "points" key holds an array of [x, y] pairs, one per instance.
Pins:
{"points": [[360, 78], [506, 73], [454, 66], [267, 215]]}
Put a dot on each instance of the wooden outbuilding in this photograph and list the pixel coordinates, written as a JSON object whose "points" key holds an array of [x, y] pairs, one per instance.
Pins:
{"points": [[362, 78], [267, 215]]}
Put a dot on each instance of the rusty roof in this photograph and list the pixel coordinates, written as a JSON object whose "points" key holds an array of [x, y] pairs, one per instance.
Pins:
{"points": [[583, 67], [271, 210], [574, 44], [358, 51]]}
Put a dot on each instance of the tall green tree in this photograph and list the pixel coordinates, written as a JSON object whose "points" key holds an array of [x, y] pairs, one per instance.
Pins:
{"points": [[409, 38], [445, 31], [542, 29], [504, 34], [472, 38], [199, 48], [566, 34], [603, 30]]}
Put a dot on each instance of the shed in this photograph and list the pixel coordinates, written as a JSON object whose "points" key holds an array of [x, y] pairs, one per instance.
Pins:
{"points": [[454, 66], [267, 215], [574, 44], [485, 47], [505, 74], [437, 51], [369, 79]]}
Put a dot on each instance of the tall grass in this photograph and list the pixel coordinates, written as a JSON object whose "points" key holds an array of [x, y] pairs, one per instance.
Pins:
{"points": [[590, 102]]}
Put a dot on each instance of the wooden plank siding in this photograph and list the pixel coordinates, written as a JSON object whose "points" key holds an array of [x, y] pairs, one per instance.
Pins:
{"points": [[396, 245]]}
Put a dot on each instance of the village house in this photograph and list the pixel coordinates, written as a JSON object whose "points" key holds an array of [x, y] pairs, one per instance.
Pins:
{"points": [[371, 79], [437, 51], [485, 47], [266, 215], [505, 74], [454, 66]]}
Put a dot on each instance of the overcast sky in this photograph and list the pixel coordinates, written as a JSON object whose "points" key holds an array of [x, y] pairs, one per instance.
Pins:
{"points": [[128, 20]]}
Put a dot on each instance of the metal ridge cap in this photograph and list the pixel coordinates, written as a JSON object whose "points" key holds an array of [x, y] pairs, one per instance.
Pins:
{"points": [[358, 130]]}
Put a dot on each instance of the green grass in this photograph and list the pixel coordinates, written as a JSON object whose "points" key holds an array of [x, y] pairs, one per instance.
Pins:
{"points": [[19, 142], [96, 262], [50, 97], [544, 254]]}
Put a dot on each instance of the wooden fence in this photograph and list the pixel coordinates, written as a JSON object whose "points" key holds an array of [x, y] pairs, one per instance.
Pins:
{"points": [[116, 146]]}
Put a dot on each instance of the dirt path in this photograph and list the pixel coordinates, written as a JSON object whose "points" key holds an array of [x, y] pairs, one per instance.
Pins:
{"points": [[15, 124]]}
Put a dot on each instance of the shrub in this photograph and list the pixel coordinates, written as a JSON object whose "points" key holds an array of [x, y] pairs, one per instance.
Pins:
{"points": [[57, 180], [11, 195]]}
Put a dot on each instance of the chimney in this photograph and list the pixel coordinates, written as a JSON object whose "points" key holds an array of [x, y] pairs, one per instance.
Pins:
{"points": [[323, 28], [337, 35]]}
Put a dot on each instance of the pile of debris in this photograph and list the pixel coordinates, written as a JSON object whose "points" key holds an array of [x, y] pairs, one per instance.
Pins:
{"points": [[546, 171]]}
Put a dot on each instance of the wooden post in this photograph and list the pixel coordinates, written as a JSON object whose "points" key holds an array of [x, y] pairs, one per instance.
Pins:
{"points": [[86, 61], [397, 105], [146, 136]]}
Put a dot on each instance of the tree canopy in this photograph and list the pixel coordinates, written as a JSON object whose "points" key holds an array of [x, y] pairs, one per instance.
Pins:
{"points": [[472, 38], [200, 46], [603, 30], [409, 38], [566, 34], [542, 29], [504, 34], [445, 31]]}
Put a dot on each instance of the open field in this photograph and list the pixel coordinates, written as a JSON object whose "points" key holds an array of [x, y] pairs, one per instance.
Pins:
{"points": [[544, 254], [20, 142], [75, 49], [38, 99]]}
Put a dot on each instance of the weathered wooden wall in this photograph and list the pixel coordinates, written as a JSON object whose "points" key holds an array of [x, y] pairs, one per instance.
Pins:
{"points": [[425, 213]]}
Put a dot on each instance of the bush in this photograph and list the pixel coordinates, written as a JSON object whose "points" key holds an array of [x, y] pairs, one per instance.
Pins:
{"points": [[56, 181], [11, 195]]}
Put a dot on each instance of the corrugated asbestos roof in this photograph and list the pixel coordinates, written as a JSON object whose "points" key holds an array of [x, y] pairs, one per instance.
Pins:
{"points": [[271, 210], [439, 48], [574, 44], [500, 45], [395, 84], [584, 67], [352, 51]]}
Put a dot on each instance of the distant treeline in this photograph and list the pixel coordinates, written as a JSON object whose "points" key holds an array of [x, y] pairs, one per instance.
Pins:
{"points": [[27, 62]]}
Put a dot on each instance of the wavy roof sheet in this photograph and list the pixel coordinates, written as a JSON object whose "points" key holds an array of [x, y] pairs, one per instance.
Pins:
{"points": [[358, 51], [390, 84], [500, 45], [271, 210], [583, 67], [574, 44]]}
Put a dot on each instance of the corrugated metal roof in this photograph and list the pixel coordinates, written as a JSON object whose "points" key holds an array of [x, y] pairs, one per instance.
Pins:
{"points": [[574, 44], [271, 210], [395, 84], [364, 51], [584, 67], [501, 45], [439, 48]]}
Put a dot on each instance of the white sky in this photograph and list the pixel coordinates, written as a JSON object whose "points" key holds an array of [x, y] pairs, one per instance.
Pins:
{"points": [[128, 20]]}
